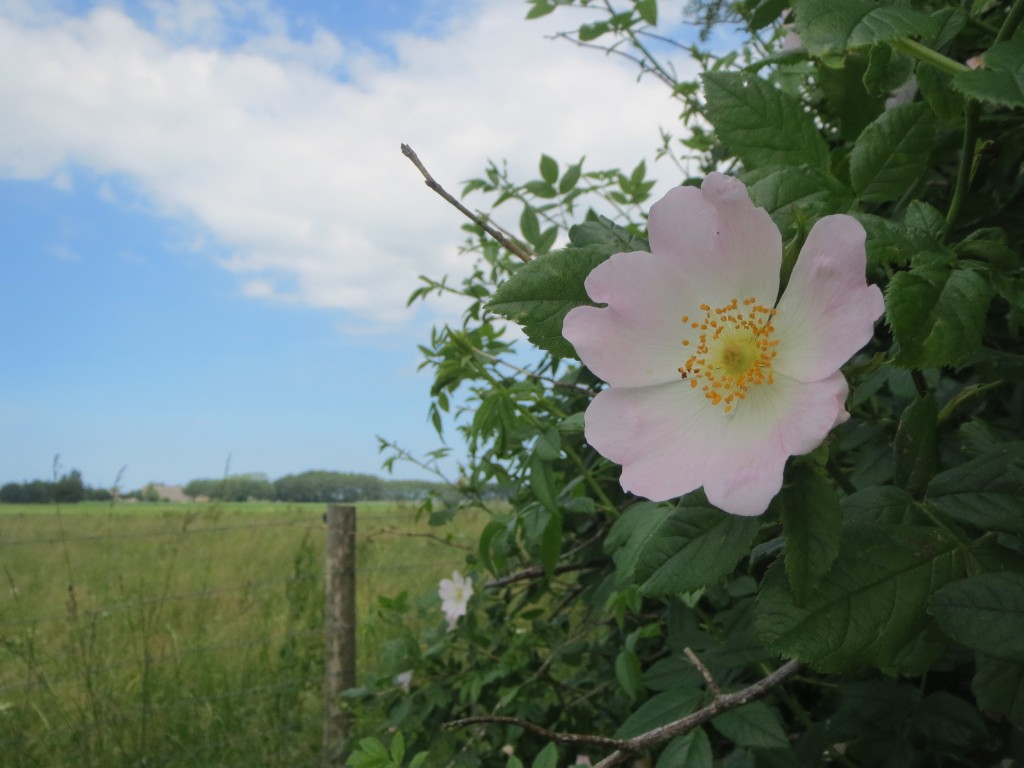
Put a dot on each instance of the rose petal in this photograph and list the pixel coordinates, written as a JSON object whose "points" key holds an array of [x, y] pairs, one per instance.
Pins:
{"points": [[828, 311], [637, 339], [656, 433], [788, 418], [724, 244], [670, 439]]}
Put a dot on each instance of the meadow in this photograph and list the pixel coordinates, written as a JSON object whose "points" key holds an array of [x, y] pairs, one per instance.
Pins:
{"points": [[188, 634]]}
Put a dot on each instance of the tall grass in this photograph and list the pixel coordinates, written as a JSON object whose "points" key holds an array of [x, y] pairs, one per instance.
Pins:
{"points": [[184, 635]]}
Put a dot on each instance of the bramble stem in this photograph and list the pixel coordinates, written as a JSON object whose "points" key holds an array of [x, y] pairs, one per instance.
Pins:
{"points": [[928, 56], [509, 245]]}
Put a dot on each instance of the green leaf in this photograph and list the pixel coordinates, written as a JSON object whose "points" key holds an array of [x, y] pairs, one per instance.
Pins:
{"points": [[891, 243], [540, 293], [871, 608], [936, 87], [630, 532], [370, 753], [812, 523], [886, 73], [540, 8], [540, 189], [986, 492], [752, 725], [850, 101], [605, 232], [398, 748], [548, 445], [547, 757], [1002, 79], [690, 751], [951, 22], [892, 153], [984, 612], [588, 32], [830, 27], [761, 124], [659, 710], [882, 504], [648, 10], [998, 685], [792, 192], [530, 225], [936, 314], [548, 169], [925, 219], [989, 244], [629, 673], [546, 240], [570, 178], [551, 543], [916, 448], [948, 719], [695, 546]]}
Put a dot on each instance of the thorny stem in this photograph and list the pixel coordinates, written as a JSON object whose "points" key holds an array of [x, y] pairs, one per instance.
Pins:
{"points": [[509, 245]]}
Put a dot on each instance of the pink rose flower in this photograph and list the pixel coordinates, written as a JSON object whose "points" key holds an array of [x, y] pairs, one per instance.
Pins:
{"points": [[715, 380]]}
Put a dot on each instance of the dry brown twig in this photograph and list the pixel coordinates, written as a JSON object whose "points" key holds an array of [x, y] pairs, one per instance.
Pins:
{"points": [[508, 244], [624, 748]]}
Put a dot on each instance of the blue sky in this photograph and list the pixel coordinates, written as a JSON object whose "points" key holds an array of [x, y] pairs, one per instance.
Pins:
{"points": [[208, 231]]}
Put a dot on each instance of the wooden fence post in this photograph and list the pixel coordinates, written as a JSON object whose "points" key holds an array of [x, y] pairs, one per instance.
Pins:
{"points": [[339, 630]]}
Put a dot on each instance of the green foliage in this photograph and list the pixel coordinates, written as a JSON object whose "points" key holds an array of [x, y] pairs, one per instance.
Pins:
{"points": [[1002, 80], [891, 154], [937, 313], [891, 561], [542, 292], [830, 28], [761, 124], [871, 607], [694, 546]]}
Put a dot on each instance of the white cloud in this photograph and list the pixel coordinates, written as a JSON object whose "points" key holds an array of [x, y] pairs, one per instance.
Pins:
{"points": [[296, 172]]}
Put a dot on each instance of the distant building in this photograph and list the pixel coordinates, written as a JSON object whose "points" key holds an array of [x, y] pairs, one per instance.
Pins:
{"points": [[170, 492]]}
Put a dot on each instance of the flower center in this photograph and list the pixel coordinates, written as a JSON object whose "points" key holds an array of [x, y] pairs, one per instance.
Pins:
{"points": [[734, 351]]}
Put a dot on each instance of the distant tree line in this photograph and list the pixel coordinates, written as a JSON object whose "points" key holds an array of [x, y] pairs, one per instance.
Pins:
{"points": [[67, 489], [314, 486]]}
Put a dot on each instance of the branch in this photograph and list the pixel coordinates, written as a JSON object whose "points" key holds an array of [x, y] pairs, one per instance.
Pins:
{"points": [[510, 245], [544, 733], [709, 680], [534, 375], [722, 702], [534, 572]]}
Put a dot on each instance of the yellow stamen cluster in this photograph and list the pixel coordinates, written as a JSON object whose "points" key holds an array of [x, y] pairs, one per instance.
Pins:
{"points": [[734, 352]]}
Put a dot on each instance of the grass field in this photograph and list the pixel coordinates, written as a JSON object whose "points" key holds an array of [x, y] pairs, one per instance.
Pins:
{"points": [[186, 634]]}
